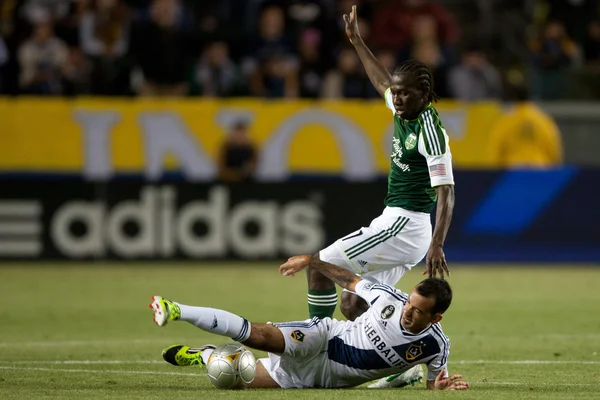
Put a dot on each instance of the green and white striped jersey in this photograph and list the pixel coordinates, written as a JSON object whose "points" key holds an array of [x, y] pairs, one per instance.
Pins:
{"points": [[420, 160]]}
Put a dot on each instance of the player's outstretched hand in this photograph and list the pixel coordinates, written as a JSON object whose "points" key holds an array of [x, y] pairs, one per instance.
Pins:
{"points": [[453, 382], [435, 263], [352, 25], [293, 265]]}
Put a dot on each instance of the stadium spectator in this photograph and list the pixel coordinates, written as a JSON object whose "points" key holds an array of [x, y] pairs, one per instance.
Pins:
{"points": [[303, 14], [574, 14], [312, 66], [425, 46], [43, 59], [475, 78], [216, 75], [345, 81], [554, 53], [163, 50], [591, 44], [272, 64], [3, 61], [526, 137], [77, 73], [237, 156], [103, 33], [393, 23], [52, 9]]}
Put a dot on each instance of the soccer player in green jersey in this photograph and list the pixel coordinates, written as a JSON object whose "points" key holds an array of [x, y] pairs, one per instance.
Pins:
{"points": [[420, 175]]}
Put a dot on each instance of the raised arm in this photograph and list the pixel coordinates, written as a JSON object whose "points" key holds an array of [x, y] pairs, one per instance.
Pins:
{"points": [[339, 275], [379, 76]]}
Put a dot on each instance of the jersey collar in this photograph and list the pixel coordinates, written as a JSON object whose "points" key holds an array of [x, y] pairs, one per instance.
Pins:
{"points": [[429, 107]]}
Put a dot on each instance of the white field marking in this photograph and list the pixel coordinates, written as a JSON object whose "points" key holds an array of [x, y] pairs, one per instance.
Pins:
{"points": [[83, 362], [147, 362], [57, 343], [524, 362], [556, 336], [92, 371], [97, 371], [115, 342], [532, 384]]}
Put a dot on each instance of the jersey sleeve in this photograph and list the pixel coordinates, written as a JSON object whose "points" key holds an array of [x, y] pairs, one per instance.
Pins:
{"points": [[372, 292], [388, 100], [433, 145], [440, 362]]}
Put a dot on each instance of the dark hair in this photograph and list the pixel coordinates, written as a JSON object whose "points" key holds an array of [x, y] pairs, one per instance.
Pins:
{"points": [[421, 73], [438, 288]]}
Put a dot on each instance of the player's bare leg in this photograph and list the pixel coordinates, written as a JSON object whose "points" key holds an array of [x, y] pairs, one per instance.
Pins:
{"points": [[263, 380], [352, 306], [322, 295]]}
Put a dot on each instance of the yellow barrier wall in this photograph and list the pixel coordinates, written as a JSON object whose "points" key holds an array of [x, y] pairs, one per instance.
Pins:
{"points": [[49, 135]]}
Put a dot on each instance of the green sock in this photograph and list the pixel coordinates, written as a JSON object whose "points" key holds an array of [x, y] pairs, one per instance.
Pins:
{"points": [[322, 303]]}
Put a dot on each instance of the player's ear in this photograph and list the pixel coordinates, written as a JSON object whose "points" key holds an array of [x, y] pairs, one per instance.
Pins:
{"points": [[437, 318]]}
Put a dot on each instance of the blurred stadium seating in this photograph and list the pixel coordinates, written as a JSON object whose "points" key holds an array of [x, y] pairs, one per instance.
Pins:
{"points": [[98, 93]]}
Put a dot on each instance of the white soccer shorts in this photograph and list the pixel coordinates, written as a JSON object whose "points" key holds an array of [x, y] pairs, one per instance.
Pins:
{"points": [[304, 362], [384, 251]]}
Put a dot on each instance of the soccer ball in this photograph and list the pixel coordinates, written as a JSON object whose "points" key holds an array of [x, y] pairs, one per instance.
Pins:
{"points": [[231, 366]]}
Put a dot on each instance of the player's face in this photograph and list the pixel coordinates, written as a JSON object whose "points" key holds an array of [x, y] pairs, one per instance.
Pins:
{"points": [[408, 99], [417, 313]]}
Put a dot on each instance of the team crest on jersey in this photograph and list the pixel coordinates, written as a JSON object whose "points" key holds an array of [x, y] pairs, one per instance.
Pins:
{"points": [[387, 312], [410, 142], [298, 336], [413, 352]]}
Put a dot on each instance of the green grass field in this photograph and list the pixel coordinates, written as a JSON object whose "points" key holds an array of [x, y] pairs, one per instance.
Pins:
{"points": [[85, 331]]}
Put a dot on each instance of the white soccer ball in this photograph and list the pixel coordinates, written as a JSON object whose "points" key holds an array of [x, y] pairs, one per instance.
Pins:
{"points": [[231, 366]]}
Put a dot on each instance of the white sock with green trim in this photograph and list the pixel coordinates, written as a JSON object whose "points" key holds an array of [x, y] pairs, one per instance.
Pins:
{"points": [[216, 321]]}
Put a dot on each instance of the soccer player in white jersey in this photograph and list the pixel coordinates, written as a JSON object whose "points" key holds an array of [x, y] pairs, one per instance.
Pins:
{"points": [[397, 332], [420, 176]]}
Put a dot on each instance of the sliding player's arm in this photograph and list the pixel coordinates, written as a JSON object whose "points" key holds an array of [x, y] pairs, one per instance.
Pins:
{"points": [[379, 76], [341, 276], [444, 382], [437, 372], [368, 290]]}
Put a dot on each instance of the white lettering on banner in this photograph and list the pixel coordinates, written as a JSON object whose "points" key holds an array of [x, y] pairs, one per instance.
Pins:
{"points": [[165, 133], [143, 213], [301, 233], [97, 128], [292, 228], [20, 228], [213, 213], [455, 121], [359, 160], [91, 215]]}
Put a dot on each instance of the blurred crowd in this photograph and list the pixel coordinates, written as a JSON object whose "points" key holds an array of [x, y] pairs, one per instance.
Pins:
{"points": [[275, 49]]}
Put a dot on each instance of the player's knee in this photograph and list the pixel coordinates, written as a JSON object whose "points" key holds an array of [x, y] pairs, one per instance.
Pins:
{"points": [[352, 306]]}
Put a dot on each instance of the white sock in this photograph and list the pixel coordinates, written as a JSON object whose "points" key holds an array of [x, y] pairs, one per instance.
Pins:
{"points": [[206, 355], [216, 321]]}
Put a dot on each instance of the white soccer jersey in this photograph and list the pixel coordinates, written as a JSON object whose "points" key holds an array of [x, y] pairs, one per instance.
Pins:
{"points": [[375, 345], [330, 353]]}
